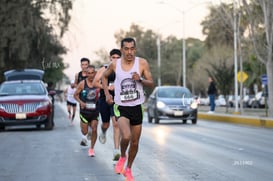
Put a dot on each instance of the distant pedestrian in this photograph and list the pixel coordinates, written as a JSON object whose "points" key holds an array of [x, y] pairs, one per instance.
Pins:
{"points": [[71, 103], [212, 92]]}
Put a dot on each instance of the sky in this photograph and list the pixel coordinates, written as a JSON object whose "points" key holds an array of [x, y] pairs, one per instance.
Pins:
{"points": [[94, 23]]}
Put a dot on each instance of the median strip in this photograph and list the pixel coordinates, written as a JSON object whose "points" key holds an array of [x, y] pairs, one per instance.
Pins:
{"points": [[238, 119]]}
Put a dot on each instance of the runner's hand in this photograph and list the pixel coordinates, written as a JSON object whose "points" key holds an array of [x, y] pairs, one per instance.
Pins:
{"points": [[109, 99]]}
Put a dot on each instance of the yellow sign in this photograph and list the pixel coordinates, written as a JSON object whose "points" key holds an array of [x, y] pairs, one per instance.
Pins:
{"points": [[242, 76]]}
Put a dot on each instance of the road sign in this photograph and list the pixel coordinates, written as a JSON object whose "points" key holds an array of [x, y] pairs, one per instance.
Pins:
{"points": [[264, 79], [242, 76]]}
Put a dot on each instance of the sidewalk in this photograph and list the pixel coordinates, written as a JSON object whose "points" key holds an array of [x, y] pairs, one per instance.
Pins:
{"points": [[253, 117]]}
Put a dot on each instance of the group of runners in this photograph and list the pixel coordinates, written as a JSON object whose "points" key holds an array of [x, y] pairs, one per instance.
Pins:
{"points": [[113, 92]]}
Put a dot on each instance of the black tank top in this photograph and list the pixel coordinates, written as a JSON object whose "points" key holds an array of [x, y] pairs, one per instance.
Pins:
{"points": [[111, 79], [89, 95], [81, 77]]}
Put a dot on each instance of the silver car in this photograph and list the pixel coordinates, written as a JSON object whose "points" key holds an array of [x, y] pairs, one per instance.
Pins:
{"points": [[172, 102]]}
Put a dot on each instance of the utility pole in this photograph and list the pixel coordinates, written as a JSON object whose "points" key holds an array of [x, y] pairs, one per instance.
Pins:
{"points": [[235, 57], [158, 61]]}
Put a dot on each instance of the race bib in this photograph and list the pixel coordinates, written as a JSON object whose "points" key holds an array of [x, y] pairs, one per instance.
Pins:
{"points": [[90, 106], [71, 96], [129, 96]]}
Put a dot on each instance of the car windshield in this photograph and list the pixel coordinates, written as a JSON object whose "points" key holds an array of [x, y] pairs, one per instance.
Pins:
{"points": [[22, 88], [174, 92]]}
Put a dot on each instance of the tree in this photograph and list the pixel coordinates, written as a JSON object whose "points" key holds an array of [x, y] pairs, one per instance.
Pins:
{"points": [[171, 66], [26, 36], [56, 11], [261, 34], [217, 26], [218, 59], [195, 50], [217, 63], [220, 24], [103, 57]]}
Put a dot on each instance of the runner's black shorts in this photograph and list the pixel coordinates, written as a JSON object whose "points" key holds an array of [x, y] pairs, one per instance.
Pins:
{"points": [[71, 104], [133, 113], [106, 110], [87, 118]]}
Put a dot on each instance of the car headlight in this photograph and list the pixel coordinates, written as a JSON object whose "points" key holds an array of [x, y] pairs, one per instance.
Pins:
{"points": [[160, 104], [44, 103], [194, 105]]}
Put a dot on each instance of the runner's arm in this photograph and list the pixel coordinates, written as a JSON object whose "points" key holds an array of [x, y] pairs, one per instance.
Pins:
{"points": [[146, 74], [97, 79], [104, 81], [77, 94]]}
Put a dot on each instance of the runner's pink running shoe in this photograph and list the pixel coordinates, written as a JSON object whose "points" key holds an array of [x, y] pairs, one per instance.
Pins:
{"points": [[91, 152], [120, 164], [128, 174]]}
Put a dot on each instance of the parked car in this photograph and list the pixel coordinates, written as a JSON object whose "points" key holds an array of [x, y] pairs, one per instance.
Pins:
{"points": [[257, 101], [220, 101], [204, 101], [24, 100], [172, 102], [24, 74], [246, 98]]}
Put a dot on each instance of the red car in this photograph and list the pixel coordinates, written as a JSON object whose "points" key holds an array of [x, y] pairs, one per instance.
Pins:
{"points": [[24, 100]]}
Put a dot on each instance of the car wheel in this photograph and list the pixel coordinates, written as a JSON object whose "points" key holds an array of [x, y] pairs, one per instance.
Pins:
{"points": [[156, 118], [150, 119], [194, 121], [184, 121], [255, 104], [2, 128], [49, 124], [230, 104]]}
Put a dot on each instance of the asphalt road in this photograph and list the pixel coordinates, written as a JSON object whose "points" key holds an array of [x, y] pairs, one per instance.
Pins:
{"points": [[169, 151]]}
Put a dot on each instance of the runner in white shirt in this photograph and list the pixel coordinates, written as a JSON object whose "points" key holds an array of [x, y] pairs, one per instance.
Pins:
{"points": [[71, 103]]}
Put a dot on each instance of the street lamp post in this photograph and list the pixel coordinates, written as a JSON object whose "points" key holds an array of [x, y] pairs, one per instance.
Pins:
{"points": [[183, 57], [184, 50], [235, 58], [183, 36], [158, 61]]}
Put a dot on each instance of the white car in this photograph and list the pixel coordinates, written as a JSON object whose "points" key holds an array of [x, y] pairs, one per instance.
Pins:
{"points": [[220, 101], [204, 101], [258, 101]]}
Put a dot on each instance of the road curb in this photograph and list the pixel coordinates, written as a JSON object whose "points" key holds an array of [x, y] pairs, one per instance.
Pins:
{"points": [[237, 119]]}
